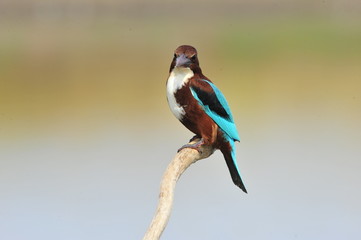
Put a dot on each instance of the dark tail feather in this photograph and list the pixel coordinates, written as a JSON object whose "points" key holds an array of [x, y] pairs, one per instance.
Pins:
{"points": [[233, 170]]}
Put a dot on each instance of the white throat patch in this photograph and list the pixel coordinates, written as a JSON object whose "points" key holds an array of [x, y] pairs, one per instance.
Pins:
{"points": [[177, 78]]}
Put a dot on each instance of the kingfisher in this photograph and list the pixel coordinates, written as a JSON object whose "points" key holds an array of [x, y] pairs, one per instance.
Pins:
{"points": [[202, 108]]}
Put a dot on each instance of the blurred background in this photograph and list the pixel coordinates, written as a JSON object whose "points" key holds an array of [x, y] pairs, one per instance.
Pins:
{"points": [[86, 133]]}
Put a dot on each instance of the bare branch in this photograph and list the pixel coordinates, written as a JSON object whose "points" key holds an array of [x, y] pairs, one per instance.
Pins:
{"points": [[179, 164]]}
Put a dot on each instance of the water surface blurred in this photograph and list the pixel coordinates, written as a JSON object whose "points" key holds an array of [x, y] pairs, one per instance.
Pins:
{"points": [[85, 130]]}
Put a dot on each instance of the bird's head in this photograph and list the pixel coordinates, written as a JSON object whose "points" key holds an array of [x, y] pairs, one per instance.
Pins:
{"points": [[185, 56]]}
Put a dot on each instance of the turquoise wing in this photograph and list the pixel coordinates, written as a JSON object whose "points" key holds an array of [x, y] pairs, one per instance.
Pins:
{"points": [[215, 105]]}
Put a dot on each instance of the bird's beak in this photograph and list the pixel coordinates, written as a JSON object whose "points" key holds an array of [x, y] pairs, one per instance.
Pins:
{"points": [[182, 61]]}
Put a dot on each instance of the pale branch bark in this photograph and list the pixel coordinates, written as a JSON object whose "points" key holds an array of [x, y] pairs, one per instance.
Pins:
{"points": [[182, 160]]}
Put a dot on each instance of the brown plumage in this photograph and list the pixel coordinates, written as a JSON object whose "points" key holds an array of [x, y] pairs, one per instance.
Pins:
{"points": [[186, 79]]}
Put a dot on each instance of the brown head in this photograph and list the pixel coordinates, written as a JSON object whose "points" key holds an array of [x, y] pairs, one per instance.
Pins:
{"points": [[186, 56]]}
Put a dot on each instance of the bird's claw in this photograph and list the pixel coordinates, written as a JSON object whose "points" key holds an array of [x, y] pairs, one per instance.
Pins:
{"points": [[195, 146], [195, 137]]}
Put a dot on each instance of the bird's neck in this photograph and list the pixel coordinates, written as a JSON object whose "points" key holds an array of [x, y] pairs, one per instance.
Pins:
{"points": [[178, 77]]}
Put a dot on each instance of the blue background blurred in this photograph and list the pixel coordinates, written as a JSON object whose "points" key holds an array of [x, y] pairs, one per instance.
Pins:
{"points": [[86, 133]]}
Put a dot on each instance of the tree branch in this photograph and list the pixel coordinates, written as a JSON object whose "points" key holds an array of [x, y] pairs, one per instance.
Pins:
{"points": [[182, 160]]}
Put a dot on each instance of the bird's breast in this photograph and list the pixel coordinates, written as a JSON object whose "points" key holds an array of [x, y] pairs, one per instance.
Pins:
{"points": [[176, 81]]}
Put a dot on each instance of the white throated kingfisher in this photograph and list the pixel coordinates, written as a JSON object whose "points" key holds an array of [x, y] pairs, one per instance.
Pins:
{"points": [[201, 107]]}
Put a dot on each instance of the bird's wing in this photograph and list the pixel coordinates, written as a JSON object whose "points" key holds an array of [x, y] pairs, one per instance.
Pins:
{"points": [[215, 105]]}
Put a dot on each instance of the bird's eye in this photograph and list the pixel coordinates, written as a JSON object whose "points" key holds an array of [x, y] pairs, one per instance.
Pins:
{"points": [[175, 55], [193, 57]]}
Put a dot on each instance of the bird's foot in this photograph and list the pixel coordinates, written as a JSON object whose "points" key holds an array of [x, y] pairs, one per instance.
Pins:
{"points": [[195, 137], [195, 146]]}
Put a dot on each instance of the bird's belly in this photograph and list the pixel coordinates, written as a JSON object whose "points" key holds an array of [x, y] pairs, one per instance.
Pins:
{"points": [[176, 109], [177, 79]]}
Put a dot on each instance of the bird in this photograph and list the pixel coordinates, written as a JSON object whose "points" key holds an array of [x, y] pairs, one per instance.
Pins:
{"points": [[202, 108]]}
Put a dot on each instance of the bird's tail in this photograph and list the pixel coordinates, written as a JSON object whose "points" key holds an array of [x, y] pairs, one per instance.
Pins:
{"points": [[230, 157]]}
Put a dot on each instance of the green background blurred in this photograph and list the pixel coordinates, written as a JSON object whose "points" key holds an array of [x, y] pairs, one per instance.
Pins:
{"points": [[85, 130]]}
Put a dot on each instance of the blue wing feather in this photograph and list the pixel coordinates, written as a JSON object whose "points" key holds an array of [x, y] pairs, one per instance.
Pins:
{"points": [[222, 115], [215, 105]]}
